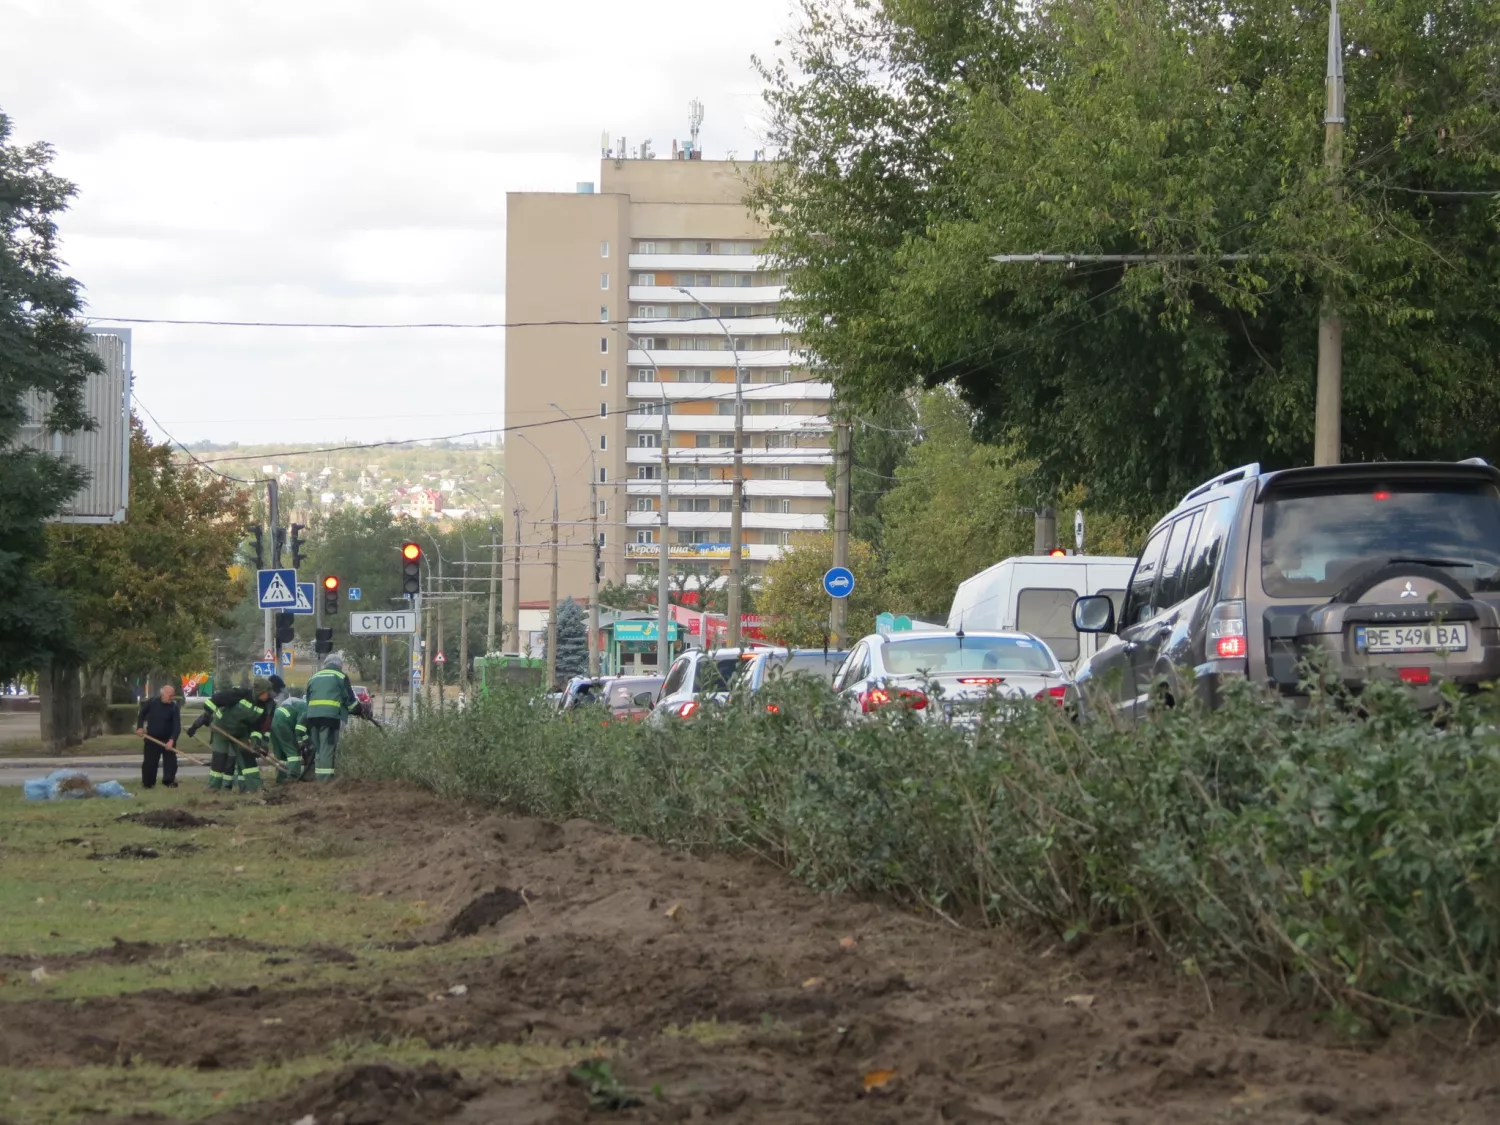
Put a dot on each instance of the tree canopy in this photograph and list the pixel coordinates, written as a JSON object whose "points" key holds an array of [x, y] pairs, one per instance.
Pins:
{"points": [[920, 137], [792, 595], [44, 360]]}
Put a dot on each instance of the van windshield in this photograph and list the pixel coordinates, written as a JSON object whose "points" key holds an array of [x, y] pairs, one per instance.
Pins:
{"points": [[971, 654], [1315, 542]]}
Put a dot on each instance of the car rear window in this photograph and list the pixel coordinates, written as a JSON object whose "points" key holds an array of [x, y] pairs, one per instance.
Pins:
{"points": [[971, 654], [1316, 542], [1049, 614], [807, 664]]}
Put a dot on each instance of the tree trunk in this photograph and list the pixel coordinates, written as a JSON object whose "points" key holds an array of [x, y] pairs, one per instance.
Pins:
{"points": [[62, 707]]}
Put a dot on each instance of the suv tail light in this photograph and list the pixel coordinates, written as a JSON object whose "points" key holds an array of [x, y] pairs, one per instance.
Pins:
{"points": [[873, 699], [1227, 639], [1056, 694], [689, 709]]}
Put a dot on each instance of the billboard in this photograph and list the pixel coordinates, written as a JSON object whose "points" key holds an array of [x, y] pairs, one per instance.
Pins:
{"points": [[103, 451]]}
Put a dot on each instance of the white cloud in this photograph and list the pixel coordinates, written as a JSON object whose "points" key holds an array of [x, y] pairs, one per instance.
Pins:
{"points": [[343, 160]]}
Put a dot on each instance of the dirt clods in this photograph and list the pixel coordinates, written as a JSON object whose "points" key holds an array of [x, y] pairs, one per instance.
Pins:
{"points": [[169, 818], [367, 1095], [484, 911]]}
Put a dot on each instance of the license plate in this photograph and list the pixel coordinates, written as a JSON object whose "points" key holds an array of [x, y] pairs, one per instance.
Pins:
{"points": [[1411, 638]]}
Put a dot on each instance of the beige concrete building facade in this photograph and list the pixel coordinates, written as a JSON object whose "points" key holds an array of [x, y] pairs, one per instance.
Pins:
{"points": [[629, 268]]}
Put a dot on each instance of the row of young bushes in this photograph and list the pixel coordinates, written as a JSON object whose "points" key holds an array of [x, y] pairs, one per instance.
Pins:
{"points": [[1348, 860]]}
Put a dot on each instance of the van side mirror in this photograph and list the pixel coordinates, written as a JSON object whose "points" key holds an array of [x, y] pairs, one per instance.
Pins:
{"points": [[1094, 613], [645, 699]]}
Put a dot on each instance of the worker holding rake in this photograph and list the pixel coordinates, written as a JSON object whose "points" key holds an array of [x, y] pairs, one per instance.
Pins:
{"points": [[288, 734], [234, 717]]}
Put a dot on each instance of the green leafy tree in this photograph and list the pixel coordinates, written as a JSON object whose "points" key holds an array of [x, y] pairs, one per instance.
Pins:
{"points": [[793, 599], [145, 594], [918, 138], [572, 641], [43, 351]]}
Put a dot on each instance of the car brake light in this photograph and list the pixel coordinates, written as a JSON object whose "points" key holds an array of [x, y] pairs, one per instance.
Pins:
{"points": [[1382, 495], [689, 709], [772, 709], [1056, 694], [981, 679], [872, 699], [1415, 676], [1227, 638]]}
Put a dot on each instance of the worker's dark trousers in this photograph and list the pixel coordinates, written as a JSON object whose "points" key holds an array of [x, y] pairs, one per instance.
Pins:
{"points": [[323, 734], [156, 754]]}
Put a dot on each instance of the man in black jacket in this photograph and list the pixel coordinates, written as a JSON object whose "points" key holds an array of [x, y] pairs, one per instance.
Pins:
{"points": [[161, 718]]}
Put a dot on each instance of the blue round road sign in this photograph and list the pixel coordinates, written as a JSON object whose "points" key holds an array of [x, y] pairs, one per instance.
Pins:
{"points": [[838, 582]]}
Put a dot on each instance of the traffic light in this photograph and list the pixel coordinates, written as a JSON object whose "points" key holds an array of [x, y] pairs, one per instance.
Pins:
{"points": [[278, 544], [323, 641], [297, 530], [330, 595], [411, 569], [286, 628], [260, 556]]}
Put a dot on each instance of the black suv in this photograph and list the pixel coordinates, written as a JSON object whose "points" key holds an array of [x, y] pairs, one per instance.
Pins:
{"points": [[1392, 571]]}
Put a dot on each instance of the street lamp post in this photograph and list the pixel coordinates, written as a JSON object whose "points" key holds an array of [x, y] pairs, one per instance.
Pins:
{"points": [[736, 521], [663, 610], [594, 531], [552, 610]]}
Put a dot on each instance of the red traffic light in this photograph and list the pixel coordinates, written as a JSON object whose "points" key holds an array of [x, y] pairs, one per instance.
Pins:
{"points": [[331, 583], [411, 552]]}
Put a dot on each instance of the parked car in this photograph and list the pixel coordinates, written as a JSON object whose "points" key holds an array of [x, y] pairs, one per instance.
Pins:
{"points": [[1388, 571], [948, 676], [578, 691], [696, 674], [630, 698], [767, 666], [1035, 594]]}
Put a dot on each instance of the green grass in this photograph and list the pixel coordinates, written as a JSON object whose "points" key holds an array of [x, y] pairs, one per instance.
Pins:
{"points": [[62, 1096], [104, 744]]}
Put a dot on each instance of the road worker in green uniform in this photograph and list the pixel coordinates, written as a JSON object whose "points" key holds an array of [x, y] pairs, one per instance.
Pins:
{"points": [[234, 714], [330, 700], [288, 733]]}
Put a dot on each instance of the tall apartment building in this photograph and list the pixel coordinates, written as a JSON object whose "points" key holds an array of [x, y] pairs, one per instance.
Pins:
{"points": [[630, 269]]}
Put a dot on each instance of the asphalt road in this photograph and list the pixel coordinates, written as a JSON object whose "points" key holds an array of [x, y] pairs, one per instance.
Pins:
{"points": [[99, 767]]}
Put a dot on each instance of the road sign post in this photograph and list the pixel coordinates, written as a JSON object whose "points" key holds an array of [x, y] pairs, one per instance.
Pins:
{"points": [[376, 622], [1078, 529]]}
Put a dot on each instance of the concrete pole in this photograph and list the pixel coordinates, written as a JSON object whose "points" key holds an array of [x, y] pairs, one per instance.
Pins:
{"points": [[736, 517], [463, 624], [1327, 419], [489, 636], [841, 473], [273, 516]]}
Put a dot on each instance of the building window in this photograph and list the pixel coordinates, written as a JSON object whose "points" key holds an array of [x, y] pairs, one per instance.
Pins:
{"points": [[693, 504], [603, 444], [645, 537], [604, 345], [647, 441], [646, 279], [603, 314], [603, 377], [604, 507], [726, 441], [726, 505], [604, 281], [604, 410], [604, 249], [700, 441], [603, 476], [645, 504], [694, 375], [644, 375], [646, 472], [646, 248], [726, 408], [786, 408], [785, 507], [786, 538], [646, 343], [601, 540]]}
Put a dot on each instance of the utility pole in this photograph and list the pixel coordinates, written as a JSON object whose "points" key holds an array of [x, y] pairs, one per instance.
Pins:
{"points": [[736, 519], [1045, 537], [442, 671], [273, 515], [489, 636], [1327, 428], [663, 549], [843, 454], [463, 625], [515, 584]]}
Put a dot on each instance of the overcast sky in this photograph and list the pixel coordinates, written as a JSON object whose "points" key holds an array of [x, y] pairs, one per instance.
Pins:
{"points": [[343, 160]]}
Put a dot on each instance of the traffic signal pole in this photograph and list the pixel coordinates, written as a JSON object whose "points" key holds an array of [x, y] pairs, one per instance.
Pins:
{"points": [[271, 511], [842, 455]]}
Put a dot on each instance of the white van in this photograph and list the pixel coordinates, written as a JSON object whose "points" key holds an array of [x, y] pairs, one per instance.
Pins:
{"points": [[1035, 593]]}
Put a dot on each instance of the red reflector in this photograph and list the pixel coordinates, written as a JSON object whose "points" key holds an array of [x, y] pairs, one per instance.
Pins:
{"points": [[1230, 647], [1382, 495], [1415, 675]]}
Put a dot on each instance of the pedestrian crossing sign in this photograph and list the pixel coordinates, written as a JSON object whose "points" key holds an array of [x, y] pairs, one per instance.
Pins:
{"points": [[277, 589]]}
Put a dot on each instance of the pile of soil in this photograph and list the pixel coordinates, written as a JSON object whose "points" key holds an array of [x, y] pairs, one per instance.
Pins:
{"points": [[169, 818], [484, 911]]}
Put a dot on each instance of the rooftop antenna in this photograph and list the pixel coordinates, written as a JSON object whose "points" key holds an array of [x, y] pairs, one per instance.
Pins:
{"points": [[695, 120], [960, 633]]}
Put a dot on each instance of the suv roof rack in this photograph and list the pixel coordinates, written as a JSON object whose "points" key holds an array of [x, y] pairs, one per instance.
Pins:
{"points": [[1474, 461], [1242, 473]]}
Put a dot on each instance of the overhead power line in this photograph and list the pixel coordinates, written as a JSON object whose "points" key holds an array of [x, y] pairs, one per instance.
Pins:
{"points": [[654, 322]]}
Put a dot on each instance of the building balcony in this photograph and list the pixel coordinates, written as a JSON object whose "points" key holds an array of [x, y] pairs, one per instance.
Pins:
{"points": [[719, 357], [740, 326], [787, 489], [724, 423], [738, 263], [754, 392], [708, 294], [708, 552], [760, 521], [688, 455]]}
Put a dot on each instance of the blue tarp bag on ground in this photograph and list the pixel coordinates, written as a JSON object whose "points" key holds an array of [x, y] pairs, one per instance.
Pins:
{"points": [[65, 784]]}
